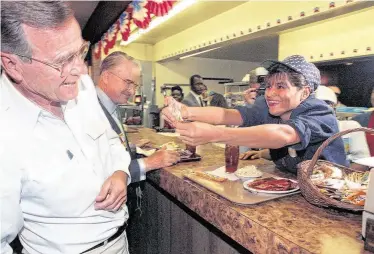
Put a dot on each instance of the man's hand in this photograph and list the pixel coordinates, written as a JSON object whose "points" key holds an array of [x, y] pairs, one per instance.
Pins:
{"points": [[196, 133], [250, 95], [160, 159], [175, 111], [113, 193], [253, 155]]}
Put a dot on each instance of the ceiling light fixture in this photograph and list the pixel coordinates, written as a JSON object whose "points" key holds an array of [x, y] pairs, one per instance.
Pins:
{"points": [[198, 53], [159, 20]]}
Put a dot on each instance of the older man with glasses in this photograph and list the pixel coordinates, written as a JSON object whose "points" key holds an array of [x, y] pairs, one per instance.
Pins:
{"points": [[118, 82], [63, 170]]}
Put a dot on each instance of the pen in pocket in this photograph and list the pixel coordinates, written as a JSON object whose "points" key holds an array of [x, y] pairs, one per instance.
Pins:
{"points": [[70, 154]]}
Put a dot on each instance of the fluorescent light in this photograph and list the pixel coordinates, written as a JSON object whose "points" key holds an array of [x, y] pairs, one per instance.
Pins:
{"points": [[198, 53], [159, 20], [348, 63]]}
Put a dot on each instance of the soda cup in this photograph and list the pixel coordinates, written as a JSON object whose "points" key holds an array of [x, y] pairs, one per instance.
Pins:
{"points": [[231, 158]]}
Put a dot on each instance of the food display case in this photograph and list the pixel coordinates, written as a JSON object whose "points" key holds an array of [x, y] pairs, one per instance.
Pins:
{"points": [[234, 93]]}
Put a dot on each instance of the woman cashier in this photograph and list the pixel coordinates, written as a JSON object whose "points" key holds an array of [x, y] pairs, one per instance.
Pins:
{"points": [[288, 120]]}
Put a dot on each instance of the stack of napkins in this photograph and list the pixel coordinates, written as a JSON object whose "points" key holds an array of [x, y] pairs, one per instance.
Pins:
{"points": [[221, 172]]}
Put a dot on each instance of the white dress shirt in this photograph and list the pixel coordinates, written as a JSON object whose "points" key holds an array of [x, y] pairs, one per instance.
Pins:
{"points": [[51, 171], [355, 143], [112, 109]]}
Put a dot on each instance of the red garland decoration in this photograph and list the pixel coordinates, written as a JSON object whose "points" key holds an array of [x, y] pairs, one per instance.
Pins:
{"points": [[97, 50], [139, 13], [104, 43], [111, 36], [124, 25], [160, 7]]}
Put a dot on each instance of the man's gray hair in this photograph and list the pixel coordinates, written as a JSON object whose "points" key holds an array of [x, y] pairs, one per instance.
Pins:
{"points": [[38, 14], [114, 59]]}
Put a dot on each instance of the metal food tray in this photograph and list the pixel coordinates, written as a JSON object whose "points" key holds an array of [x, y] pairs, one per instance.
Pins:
{"points": [[234, 190]]}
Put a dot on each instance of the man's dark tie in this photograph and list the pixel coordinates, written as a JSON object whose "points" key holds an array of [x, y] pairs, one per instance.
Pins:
{"points": [[116, 128], [201, 102]]}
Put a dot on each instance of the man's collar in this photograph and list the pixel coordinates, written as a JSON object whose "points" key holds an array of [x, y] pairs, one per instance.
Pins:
{"points": [[106, 101], [18, 106], [195, 95]]}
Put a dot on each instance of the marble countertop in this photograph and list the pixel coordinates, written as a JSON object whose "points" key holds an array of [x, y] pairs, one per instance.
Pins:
{"points": [[287, 225]]}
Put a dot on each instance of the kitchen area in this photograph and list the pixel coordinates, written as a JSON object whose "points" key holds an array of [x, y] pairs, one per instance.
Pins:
{"points": [[276, 172], [184, 213]]}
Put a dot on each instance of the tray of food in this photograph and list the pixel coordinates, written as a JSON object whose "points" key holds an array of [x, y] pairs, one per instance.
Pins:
{"points": [[158, 129], [186, 156], [240, 192]]}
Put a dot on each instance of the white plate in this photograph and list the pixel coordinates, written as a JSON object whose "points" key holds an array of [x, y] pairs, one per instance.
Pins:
{"points": [[245, 185]]}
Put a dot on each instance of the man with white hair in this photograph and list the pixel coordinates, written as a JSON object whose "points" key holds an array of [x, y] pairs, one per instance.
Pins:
{"points": [[118, 82], [63, 170]]}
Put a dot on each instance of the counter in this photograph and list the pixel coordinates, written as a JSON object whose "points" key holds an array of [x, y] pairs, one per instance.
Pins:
{"points": [[287, 225]]}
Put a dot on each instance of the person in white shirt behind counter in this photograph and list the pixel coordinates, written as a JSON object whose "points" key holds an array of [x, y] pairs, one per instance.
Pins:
{"points": [[63, 170]]}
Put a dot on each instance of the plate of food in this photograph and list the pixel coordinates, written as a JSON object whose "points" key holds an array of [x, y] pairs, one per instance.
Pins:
{"points": [[271, 185], [172, 146], [248, 172]]}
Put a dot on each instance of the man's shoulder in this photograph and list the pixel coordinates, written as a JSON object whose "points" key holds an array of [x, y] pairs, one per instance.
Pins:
{"points": [[189, 96], [188, 99]]}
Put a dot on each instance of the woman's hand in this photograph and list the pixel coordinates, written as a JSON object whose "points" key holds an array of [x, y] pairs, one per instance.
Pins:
{"points": [[196, 133], [174, 111]]}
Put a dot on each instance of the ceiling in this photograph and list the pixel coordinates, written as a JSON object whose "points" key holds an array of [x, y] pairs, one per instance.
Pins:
{"points": [[96, 17], [254, 50], [193, 15], [83, 10]]}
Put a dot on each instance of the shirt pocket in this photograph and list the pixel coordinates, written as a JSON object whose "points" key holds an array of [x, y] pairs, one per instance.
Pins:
{"points": [[60, 184]]}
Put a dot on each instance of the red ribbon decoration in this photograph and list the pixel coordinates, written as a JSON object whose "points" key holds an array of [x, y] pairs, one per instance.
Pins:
{"points": [[160, 7]]}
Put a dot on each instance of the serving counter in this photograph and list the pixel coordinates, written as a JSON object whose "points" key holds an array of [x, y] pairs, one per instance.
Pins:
{"points": [[179, 216]]}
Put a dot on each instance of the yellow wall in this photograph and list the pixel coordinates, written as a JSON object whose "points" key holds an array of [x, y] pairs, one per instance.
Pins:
{"points": [[237, 20], [140, 51], [346, 33]]}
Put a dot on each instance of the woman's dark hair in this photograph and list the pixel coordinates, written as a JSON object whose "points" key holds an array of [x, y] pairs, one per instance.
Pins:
{"points": [[294, 78], [177, 88], [218, 100]]}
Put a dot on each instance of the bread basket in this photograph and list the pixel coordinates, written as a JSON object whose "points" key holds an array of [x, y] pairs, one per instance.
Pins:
{"points": [[311, 192]]}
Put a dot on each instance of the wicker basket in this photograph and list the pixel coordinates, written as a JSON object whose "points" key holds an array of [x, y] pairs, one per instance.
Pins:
{"points": [[311, 192]]}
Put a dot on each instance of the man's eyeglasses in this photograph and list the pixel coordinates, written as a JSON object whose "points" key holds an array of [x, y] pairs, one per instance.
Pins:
{"points": [[127, 81], [66, 66]]}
